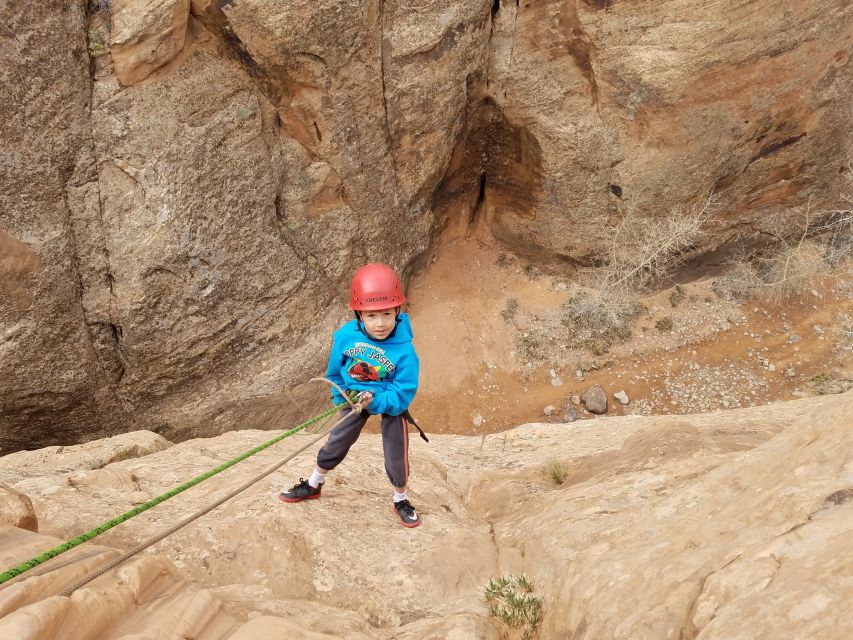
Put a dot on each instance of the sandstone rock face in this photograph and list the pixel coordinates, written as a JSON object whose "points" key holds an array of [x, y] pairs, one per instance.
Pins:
{"points": [[52, 384], [80, 458], [183, 205], [16, 509], [679, 526], [594, 107], [146, 35]]}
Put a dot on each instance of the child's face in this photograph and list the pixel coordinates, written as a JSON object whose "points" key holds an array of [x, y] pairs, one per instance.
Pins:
{"points": [[379, 324]]}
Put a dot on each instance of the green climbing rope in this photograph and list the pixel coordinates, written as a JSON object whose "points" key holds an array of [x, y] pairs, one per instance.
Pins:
{"points": [[109, 524]]}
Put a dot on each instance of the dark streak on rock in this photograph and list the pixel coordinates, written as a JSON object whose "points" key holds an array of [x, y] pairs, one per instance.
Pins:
{"points": [[279, 209], [773, 147], [478, 206], [839, 497], [599, 5], [217, 23]]}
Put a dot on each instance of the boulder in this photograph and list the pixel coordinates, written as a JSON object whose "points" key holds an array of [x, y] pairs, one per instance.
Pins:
{"points": [[595, 399]]}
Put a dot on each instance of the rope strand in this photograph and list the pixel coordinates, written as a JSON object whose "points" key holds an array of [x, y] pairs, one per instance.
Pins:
{"points": [[23, 567]]}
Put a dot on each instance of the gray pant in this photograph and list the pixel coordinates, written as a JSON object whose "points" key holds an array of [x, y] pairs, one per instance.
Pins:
{"points": [[395, 444]]}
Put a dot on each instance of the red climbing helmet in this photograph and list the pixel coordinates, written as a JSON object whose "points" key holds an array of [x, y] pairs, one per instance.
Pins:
{"points": [[375, 286]]}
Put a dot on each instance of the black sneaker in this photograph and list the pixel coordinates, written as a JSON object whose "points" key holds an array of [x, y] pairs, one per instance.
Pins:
{"points": [[300, 491], [408, 515]]}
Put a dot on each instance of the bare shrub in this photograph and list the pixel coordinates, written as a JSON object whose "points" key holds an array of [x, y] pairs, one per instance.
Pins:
{"points": [[839, 224], [643, 249], [790, 267], [529, 345], [597, 319], [510, 310], [677, 296], [664, 324], [782, 273], [844, 348], [648, 248]]}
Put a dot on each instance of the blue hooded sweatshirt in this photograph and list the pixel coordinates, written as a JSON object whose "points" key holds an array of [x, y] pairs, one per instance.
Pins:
{"points": [[387, 368]]}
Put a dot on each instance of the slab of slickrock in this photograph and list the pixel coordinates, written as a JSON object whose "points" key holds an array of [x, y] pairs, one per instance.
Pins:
{"points": [[95, 454]]}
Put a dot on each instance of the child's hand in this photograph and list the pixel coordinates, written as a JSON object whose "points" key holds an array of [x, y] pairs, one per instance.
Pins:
{"points": [[364, 398]]}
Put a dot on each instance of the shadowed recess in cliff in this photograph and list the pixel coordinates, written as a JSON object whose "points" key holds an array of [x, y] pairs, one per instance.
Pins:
{"points": [[494, 178]]}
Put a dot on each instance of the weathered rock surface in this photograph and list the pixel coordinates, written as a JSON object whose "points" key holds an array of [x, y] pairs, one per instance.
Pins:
{"points": [[595, 399], [93, 455], [187, 186], [146, 36], [16, 509], [655, 103], [724, 525], [52, 385]]}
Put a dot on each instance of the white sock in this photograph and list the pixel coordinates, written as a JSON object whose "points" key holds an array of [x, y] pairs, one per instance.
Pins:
{"points": [[399, 497], [317, 478]]}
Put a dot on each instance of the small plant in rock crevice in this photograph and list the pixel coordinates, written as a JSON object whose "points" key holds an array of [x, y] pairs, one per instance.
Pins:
{"points": [[97, 43], [511, 600], [556, 469], [822, 383]]}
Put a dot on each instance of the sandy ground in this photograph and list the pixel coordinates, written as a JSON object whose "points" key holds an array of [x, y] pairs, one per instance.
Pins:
{"points": [[480, 374]]}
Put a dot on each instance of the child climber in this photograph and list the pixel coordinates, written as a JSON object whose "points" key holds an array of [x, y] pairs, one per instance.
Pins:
{"points": [[372, 355]]}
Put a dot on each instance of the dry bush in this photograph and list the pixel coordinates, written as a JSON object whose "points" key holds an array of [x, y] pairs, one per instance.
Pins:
{"points": [[783, 272], [786, 269], [644, 249], [528, 344], [597, 319], [844, 348], [510, 310], [839, 224]]}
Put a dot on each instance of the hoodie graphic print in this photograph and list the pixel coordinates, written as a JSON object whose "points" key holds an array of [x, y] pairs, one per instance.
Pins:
{"points": [[387, 368]]}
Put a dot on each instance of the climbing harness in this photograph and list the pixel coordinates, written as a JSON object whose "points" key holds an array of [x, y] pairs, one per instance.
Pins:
{"points": [[409, 418], [23, 567]]}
